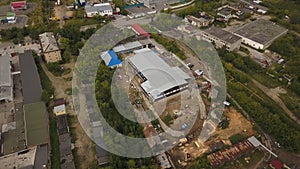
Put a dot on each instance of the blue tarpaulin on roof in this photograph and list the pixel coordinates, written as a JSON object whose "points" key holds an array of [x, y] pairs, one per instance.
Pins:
{"points": [[114, 59]]}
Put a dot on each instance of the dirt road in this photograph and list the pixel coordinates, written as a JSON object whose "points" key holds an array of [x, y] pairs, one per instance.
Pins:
{"points": [[274, 95]]}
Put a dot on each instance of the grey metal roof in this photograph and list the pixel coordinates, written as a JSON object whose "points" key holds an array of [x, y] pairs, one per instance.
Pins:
{"points": [[127, 46], [31, 84], [5, 71], [41, 157], [48, 42], [261, 31], [98, 7], [160, 76], [222, 34]]}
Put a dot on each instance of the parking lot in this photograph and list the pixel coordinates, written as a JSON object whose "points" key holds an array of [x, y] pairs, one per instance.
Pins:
{"points": [[21, 22], [12, 48], [6, 8]]}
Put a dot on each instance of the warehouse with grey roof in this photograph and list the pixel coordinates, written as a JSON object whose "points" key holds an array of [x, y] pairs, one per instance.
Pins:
{"points": [[159, 79], [6, 82], [260, 33]]}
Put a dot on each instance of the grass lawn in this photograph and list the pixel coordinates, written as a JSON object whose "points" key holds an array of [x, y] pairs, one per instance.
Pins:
{"points": [[266, 80]]}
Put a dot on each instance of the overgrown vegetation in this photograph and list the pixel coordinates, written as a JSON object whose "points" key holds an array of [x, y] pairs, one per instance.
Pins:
{"points": [[267, 114], [234, 139], [285, 12], [201, 162], [170, 44], [203, 5], [48, 90], [116, 120], [289, 47], [55, 154]]}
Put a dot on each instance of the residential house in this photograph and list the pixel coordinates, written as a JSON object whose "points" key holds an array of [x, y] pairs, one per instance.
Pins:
{"points": [[50, 47]]}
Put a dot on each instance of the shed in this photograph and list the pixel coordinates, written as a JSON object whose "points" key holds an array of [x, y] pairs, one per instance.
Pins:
{"points": [[111, 59], [139, 30]]}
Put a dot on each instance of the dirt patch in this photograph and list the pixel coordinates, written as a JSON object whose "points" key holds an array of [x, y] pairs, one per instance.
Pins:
{"points": [[237, 124], [59, 82], [84, 145]]}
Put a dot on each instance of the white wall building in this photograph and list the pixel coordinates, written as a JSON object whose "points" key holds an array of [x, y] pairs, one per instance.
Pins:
{"points": [[104, 9]]}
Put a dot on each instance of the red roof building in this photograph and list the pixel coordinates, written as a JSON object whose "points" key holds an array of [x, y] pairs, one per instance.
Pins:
{"points": [[20, 5], [150, 131], [139, 30], [275, 164]]}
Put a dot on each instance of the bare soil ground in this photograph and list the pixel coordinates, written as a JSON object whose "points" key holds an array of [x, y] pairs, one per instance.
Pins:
{"points": [[85, 146], [237, 124]]}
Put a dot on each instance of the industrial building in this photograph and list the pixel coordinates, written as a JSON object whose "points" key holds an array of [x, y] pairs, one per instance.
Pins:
{"points": [[260, 33], [222, 38], [254, 6], [159, 79], [200, 19], [6, 82], [30, 79], [127, 47], [50, 47]]}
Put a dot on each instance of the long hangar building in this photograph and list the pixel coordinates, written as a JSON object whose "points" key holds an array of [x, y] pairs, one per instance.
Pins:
{"points": [[159, 79]]}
